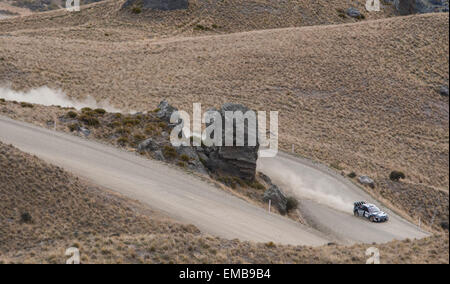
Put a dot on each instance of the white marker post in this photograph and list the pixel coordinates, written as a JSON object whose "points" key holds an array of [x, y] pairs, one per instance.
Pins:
{"points": [[293, 148], [270, 204], [54, 126]]}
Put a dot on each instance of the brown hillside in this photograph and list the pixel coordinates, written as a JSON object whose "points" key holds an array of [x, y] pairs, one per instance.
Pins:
{"points": [[66, 212]]}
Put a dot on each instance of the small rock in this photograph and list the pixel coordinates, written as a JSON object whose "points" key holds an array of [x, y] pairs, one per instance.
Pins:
{"points": [[148, 145], [365, 180], [86, 132], [444, 91], [353, 12], [159, 155]]}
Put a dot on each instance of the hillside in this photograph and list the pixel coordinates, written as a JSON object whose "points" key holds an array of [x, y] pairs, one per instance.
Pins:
{"points": [[362, 97], [202, 17], [46, 210]]}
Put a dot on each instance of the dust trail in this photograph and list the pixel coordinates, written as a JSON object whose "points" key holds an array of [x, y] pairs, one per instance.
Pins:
{"points": [[314, 188], [50, 97]]}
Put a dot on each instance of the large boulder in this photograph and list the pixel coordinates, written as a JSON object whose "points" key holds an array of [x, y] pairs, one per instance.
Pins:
{"points": [[236, 161], [407, 7], [164, 5]]}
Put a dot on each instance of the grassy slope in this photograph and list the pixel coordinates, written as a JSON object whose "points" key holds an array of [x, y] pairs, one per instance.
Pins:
{"points": [[67, 212], [225, 16], [361, 96]]}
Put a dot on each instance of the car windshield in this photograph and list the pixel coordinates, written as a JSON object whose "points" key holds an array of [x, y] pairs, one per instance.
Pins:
{"points": [[373, 209]]}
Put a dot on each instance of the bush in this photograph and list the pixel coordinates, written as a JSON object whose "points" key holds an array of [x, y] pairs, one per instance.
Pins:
{"points": [[73, 127], [100, 111], [25, 218], [130, 121], [86, 109], [185, 158], [136, 10], [23, 104], [181, 164], [72, 114], [89, 120], [149, 129], [2, 100], [169, 152], [256, 185], [122, 141], [291, 204], [352, 175], [123, 131], [396, 176], [139, 137]]}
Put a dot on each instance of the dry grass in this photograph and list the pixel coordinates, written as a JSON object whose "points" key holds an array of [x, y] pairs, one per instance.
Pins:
{"points": [[66, 212], [202, 17], [363, 96]]}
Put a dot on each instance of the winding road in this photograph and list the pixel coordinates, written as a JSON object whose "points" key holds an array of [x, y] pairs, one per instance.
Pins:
{"points": [[326, 198]]}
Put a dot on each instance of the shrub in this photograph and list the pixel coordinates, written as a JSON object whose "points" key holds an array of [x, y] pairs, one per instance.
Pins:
{"points": [[256, 185], [291, 204], [130, 121], [352, 175], [396, 176], [336, 166], [25, 218], [122, 141], [89, 120], [169, 152], [72, 114], [73, 127], [185, 158], [123, 131], [2, 100], [100, 111], [136, 10], [149, 129], [270, 245], [162, 124], [139, 137], [117, 116], [115, 124], [199, 27], [86, 109], [181, 164], [23, 104]]}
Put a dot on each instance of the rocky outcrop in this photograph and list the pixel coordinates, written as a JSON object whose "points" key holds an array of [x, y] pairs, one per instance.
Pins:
{"points": [[165, 111], [148, 145], [164, 5], [275, 195], [236, 161], [194, 162], [407, 7]]}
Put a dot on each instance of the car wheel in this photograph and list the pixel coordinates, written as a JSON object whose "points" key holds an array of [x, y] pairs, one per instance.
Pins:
{"points": [[371, 219]]}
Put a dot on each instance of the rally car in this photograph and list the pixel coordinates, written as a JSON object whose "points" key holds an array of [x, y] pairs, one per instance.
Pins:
{"points": [[369, 211]]}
